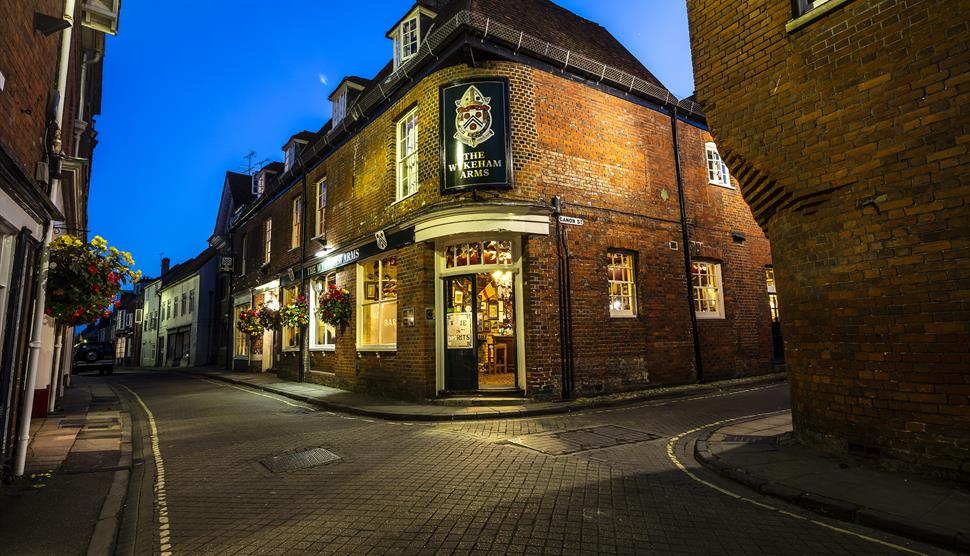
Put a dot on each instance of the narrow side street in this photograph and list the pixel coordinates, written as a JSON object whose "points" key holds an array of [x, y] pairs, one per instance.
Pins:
{"points": [[601, 481]]}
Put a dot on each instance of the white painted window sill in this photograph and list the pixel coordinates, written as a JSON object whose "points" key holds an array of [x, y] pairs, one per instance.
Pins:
{"points": [[725, 186], [812, 15], [323, 348]]}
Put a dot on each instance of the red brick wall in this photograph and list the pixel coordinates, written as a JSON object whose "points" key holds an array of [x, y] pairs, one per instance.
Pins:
{"points": [[28, 60], [611, 160], [850, 138]]}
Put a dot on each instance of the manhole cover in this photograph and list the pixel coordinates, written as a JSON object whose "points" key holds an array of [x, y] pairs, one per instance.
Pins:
{"points": [[579, 440], [299, 460]]}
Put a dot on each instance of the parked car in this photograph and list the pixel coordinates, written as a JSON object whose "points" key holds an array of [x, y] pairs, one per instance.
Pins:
{"points": [[94, 356]]}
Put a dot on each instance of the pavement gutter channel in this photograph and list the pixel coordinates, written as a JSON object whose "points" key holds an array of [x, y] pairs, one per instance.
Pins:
{"points": [[559, 408], [109, 521], [830, 507]]}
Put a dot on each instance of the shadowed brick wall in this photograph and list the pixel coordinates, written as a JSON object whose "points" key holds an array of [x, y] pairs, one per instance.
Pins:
{"points": [[849, 137]]}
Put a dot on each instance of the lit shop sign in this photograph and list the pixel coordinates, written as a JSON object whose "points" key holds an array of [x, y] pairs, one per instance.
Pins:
{"points": [[382, 242], [476, 148]]}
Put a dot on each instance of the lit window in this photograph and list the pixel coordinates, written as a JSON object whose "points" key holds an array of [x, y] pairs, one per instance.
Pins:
{"points": [[478, 253], [407, 155], [406, 41], [290, 336], [321, 206], [241, 338], [377, 300], [772, 294], [295, 233], [717, 171], [322, 335], [708, 298], [623, 288], [267, 240]]}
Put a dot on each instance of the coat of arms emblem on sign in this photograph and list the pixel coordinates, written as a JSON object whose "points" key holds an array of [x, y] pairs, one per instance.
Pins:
{"points": [[473, 118]]}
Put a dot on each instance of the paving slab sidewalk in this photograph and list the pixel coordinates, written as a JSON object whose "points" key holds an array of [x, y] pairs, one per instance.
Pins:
{"points": [[761, 454], [384, 408], [75, 478]]}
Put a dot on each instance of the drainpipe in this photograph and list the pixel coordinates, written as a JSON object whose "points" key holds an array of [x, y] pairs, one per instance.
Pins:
{"points": [[566, 353], [40, 301], [685, 237], [85, 62], [52, 394]]}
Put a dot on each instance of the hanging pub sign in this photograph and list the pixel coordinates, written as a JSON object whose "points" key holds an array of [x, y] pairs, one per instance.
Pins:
{"points": [[476, 150]]}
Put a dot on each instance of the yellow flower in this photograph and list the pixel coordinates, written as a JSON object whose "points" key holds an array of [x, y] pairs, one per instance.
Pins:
{"points": [[127, 256], [114, 251], [99, 243]]}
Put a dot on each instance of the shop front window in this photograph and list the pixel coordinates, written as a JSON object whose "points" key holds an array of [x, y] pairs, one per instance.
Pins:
{"points": [[479, 253], [290, 333], [322, 335], [241, 339], [377, 295]]}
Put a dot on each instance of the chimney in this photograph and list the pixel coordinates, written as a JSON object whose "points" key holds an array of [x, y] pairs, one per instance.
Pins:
{"points": [[165, 264]]}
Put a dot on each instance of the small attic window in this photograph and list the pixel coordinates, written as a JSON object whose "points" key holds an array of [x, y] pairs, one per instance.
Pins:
{"points": [[339, 106], [289, 155], [406, 40]]}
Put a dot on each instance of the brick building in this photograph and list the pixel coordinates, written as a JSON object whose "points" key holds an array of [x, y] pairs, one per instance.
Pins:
{"points": [[434, 196], [50, 94], [846, 122]]}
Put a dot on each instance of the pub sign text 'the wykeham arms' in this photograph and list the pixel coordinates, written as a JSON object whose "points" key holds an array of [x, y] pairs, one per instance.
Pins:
{"points": [[475, 140]]}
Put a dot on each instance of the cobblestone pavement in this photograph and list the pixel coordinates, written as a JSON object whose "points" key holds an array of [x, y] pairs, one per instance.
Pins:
{"points": [[476, 487]]}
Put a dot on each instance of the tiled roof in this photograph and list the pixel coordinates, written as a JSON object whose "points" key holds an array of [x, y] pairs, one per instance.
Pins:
{"points": [[240, 187], [187, 268]]}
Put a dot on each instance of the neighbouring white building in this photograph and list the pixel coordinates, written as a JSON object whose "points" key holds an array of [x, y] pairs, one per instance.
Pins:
{"points": [[186, 314], [150, 333]]}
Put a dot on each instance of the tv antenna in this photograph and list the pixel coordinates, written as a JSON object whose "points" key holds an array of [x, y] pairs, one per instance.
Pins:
{"points": [[253, 167]]}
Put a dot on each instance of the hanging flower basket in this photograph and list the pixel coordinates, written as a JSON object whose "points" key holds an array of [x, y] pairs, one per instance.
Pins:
{"points": [[269, 317], [295, 314], [249, 322], [84, 278], [334, 306]]}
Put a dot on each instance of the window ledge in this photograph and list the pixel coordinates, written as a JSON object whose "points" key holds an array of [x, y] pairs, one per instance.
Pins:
{"points": [[612, 316], [323, 348], [291, 350], [706, 316], [811, 15], [402, 199], [377, 349], [721, 185], [242, 357]]}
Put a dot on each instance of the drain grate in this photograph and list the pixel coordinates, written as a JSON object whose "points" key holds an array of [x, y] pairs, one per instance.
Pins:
{"points": [[579, 440], [750, 439], [304, 459]]}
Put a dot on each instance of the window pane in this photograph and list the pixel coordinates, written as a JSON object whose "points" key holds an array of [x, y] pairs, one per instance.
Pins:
{"points": [[388, 311], [370, 324], [389, 278]]}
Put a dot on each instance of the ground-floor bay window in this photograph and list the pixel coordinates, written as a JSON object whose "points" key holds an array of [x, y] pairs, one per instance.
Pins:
{"points": [[290, 333], [377, 304], [323, 336], [240, 338]]}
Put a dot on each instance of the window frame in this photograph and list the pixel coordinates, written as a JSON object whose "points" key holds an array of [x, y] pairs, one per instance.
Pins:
{"points": [[718, 287], [289, 334], [242, 254], [411, 158], [320, 208], [239, 334], [717, 171], [774, 310], [191, 301], [633, 312], [315, 323], [296, 231], [399, 44], [267, 240], [385, 346]]}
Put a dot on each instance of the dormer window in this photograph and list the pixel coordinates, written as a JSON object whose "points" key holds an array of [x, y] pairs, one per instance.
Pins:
{"points": [[339, 107], [406, 42], [408, 33], [289, 156]]}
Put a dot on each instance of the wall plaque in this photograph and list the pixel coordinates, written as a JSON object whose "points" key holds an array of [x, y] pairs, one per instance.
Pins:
{"points": [[476, 148]]}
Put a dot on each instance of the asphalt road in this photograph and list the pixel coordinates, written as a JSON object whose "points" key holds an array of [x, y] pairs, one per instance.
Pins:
{"points": [[602, 481]]}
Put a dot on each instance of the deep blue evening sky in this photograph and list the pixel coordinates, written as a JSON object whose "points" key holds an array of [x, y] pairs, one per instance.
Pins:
{"points": [[190, 88]]}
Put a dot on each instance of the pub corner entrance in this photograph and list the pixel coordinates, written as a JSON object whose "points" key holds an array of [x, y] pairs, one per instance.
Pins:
{"points": [[480, 346]]}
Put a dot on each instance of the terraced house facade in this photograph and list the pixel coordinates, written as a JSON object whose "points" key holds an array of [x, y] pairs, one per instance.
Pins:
{"points": [[515, 204]]}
